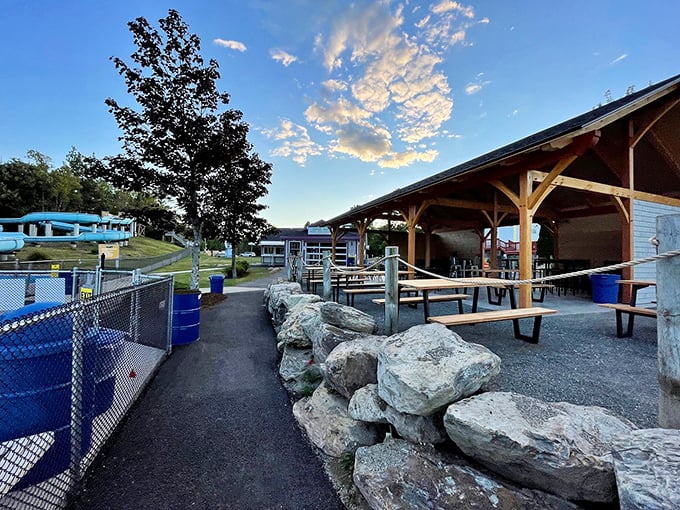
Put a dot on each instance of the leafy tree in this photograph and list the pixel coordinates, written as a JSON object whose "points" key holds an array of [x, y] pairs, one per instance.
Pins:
{"points": [[24, 187], [233, 208], [174, 144]]}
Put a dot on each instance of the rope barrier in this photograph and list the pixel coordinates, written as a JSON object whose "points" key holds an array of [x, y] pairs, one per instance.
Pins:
{"points": [[357, 271], [544, 279]]}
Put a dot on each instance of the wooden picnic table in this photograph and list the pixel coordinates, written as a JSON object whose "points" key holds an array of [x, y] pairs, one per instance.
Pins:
{"points": [[475, 317], [630, 308]]}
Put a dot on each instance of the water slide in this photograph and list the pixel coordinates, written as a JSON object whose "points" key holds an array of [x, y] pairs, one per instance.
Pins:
{"points": [[88, 228]]}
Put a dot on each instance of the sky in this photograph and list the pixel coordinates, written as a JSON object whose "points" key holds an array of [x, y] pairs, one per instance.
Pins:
{"points": [[347, 100]]}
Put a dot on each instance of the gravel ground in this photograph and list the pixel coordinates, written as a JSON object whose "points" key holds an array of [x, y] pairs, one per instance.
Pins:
{"points": [[578, 359]]}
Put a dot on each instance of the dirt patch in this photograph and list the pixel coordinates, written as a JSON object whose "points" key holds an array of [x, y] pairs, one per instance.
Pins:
{"points": [[211, 299]]}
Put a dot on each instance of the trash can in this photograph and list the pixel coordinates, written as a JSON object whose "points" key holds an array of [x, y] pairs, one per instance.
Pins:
{"points": [[186, 317], [217, 283], [605, 289], [351, 260]]}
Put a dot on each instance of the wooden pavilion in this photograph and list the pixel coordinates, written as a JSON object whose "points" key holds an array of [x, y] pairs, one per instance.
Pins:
{"points": [[616, 159]]}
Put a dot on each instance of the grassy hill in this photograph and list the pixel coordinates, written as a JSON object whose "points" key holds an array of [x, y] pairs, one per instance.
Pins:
{"points": [[139, 247]]}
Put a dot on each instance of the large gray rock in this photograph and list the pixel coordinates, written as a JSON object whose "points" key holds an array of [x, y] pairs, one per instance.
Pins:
{"points": [[366, 405], [294, 362], [348, 317], [277, 292], [417, 429], [302, 318], [398, 475], [557, 447], [647, 468], [353, 365], [324, 417], [292, 300], [425, 368], [326, 337]]}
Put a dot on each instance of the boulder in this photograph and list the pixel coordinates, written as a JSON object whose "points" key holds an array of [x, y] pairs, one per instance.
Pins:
{"points": [[300, 318], [417, 429], [348, 317], [425, 368], [326, 337], [401, 475], [294, 362], [557, 447], [647, 468], [324, 417], [366, 405], [277, 292], [292, 300], [353, 365]]}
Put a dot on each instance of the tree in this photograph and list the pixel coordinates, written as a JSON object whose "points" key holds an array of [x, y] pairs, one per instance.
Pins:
{"points": [[233, 207], [172, 145]]}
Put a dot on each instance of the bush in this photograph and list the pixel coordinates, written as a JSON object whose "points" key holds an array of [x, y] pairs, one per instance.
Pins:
{"points": [[37, 255], [241, 269]]}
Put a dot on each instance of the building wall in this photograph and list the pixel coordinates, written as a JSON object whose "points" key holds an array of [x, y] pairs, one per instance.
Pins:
{"points": [[596, 238], [644, 214]]}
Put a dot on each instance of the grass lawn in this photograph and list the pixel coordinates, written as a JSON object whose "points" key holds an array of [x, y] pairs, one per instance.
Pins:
{"points": [[212, 265]]}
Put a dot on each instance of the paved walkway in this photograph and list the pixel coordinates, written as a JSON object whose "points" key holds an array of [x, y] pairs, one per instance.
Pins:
{"points": [[215, 429]]}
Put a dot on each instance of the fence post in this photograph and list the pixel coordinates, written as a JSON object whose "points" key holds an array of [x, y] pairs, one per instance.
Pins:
{"points": [[77, 382], [327, 288], [391, 290], [668, 321]]}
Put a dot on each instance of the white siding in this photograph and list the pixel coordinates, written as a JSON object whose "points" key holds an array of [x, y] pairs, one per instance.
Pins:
{"points": [[644, 214]]}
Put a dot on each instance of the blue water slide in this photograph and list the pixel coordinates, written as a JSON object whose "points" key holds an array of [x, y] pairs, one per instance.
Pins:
{"points": [[36, 217]]}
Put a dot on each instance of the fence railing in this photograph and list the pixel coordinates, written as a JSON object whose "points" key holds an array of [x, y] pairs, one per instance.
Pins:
{"points": [[72, 362]]}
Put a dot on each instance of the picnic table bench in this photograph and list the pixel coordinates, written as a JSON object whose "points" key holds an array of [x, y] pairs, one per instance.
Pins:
{"points": [[437, 298], [631, 309], [350, 292], [513, 314]]}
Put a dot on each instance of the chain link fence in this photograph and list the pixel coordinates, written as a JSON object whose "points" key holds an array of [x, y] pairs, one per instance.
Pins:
{"points": [[74, 356]]}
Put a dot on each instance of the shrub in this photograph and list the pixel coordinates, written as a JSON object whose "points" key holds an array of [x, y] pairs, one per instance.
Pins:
{"points": [[241, 268], [37, 255]]}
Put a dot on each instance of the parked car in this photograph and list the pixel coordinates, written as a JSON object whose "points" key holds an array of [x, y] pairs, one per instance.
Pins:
{"points": [[248, 254]]}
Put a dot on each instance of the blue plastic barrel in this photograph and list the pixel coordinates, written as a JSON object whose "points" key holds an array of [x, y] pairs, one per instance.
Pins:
{"points": [[186, 317], [68, 278], [35, 373], [109, 346], [604, 287], [216, 283]]}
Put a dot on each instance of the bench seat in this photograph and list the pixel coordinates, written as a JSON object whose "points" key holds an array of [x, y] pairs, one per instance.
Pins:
{"points": [[437, 298], [514, 314], [632, 311]]}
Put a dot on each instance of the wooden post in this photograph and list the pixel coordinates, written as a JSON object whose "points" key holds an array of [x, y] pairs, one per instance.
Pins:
{"points": [[428, 247], [668, 321], [362, 227], [327, 288], [526, 216], [412, 222], [391, 290], [334, 242]]}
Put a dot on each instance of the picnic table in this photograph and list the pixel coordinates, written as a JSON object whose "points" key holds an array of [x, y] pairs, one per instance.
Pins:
{"points": [[475, 317], [630, 309]]}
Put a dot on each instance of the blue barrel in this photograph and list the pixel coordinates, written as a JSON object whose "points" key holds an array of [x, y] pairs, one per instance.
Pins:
{"points": [[216, 283], [35, 374], [605, 289], [186, 317], [109, 347], [68, 278]]}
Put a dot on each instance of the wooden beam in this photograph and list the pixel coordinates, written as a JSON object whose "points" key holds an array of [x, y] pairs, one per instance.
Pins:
{"points": [[412, 213], [470, 204], [362, 227], [543, 189], [506, 191], [605, 189], [525, 256], [623, 211], [649, 118], [660, 147]]}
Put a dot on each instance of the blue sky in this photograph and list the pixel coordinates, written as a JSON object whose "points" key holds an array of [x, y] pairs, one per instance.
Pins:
{"points": [[348, 101]]}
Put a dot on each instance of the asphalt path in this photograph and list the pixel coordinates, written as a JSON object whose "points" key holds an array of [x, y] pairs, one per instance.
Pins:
{"points": [[214, 430]]}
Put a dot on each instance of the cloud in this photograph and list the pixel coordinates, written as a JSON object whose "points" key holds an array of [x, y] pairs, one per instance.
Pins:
{"points": [[282, 56], [448, 5], [472, 88], [296, 142], [484, 21], [619, 58], [386, 95], [232, 45], [399, 159], [334, 85]]}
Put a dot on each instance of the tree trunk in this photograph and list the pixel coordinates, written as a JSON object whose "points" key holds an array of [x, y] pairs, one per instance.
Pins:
{"points": [[195, 259], [234, 275]]}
